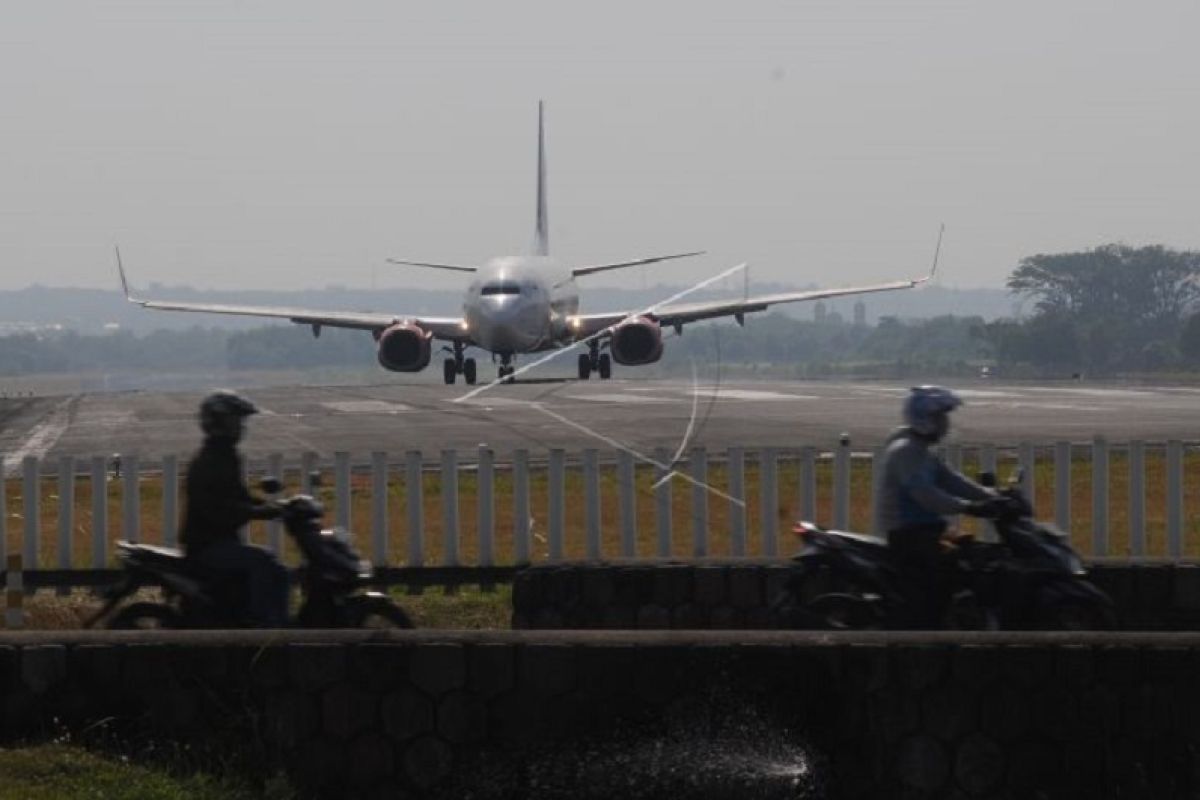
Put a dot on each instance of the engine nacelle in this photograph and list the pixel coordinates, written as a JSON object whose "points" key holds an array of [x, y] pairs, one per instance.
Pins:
{"points": [[404, 347], [638, 341]]}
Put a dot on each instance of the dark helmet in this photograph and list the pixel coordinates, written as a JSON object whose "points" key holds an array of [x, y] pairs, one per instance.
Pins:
{"points": [[222, 411], [925, 403]]}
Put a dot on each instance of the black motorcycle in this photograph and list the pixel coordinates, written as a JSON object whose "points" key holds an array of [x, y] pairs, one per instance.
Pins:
{"points": [[331, 580], [1032, 579]]}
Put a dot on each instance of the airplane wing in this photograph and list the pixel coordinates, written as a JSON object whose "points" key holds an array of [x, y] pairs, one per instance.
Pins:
{"points": [[578, 271], [448, 328], [451, 267], [677, 315]]}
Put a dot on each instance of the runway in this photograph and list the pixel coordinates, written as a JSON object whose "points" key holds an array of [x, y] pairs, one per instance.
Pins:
{"points": [[643, 414]]}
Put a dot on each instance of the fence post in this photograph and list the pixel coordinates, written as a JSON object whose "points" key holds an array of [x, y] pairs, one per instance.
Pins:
{"points": [[627, 494], [450, 507], [1137, 498], [558, 489], [876, 484], [1099, 496], [808, 483], [1062, 485], [14, 592], [415, 498], [341, 484], [699, 470], [3, 511], [275, 526], [379, 507], [308, 465], [591, 502], [485, 508], [31, 502], [954, 456], [662, 502], [987, 463], [131, 499], [737, 506], [522, 546], [1175, 498], [66, 514], [769, 501], [841, 484], [170, 509], [99, 512], [1027, 461]]}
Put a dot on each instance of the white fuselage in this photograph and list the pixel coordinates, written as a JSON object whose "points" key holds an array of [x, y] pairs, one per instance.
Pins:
{"points": [[520, 304]]}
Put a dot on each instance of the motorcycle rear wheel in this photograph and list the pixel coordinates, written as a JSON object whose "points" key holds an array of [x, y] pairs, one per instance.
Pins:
{"points": [[376, 611], [145, 616]]}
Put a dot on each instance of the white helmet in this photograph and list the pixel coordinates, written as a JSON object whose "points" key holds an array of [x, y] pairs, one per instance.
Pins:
{"points": [[924, 404]]}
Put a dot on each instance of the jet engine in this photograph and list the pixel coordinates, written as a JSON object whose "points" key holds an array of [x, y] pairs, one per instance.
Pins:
{"points": [[638, 341], [404, 347]]}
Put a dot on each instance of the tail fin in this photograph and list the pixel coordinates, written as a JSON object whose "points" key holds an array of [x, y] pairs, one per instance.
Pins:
{"points": [[541, 237]]}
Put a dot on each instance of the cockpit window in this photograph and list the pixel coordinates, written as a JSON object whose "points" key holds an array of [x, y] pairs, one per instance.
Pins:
{"points": [[501, 288]]}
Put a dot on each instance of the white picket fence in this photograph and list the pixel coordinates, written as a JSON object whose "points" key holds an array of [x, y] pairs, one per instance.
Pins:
{"points": [[622, 532]]}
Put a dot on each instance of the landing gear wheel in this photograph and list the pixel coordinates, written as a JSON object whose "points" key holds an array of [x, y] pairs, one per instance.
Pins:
{"points": [[469, 371], [449, 371], [605, 367], [585, 367], [506, 374]]}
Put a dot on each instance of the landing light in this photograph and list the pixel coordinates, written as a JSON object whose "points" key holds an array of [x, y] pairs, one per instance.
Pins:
{"points": [[464, 325]]}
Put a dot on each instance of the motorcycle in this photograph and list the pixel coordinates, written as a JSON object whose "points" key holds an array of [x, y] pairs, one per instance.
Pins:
{"points": [[1031, 579], [330, 579]]}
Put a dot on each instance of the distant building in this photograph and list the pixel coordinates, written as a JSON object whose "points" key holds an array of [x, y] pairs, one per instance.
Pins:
{"points": [[819, 312], [860, 314]]}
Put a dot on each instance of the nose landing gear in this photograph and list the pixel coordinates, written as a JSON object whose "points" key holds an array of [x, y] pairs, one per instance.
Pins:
{"points": [[595, 361], [453, 367], [506, 368]]}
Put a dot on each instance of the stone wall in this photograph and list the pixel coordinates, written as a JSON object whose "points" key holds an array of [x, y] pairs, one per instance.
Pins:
{"points": [[638, 714], [734, 594]]}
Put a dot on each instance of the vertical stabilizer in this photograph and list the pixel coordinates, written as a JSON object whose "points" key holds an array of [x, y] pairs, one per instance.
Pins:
{"points": [[541, 237]]}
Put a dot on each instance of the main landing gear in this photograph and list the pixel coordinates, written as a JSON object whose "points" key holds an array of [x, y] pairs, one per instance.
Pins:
{"points": [[595, 361], [453, 367]]}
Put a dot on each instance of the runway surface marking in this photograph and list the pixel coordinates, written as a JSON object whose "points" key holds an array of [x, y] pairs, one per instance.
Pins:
{"points": [[366, 407], [42, 437], [754, 395], [618, 397], [104, 419], [498, 402]]}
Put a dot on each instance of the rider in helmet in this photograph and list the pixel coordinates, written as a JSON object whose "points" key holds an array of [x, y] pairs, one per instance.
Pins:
{"points": [[915, 494], [218, 505]]}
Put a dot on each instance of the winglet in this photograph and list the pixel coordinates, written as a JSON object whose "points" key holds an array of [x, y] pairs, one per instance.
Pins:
{"points": [[937, 251], [121, 272]]}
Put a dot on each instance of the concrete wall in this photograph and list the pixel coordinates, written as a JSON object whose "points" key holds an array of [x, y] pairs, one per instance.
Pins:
{"points": [[639, 714], [734, 594]]}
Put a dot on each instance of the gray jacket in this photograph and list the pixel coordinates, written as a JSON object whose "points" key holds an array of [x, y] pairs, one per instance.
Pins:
{"points": [[916, 488]]}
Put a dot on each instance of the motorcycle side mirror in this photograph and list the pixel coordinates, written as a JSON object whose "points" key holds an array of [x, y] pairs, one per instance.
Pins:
{"points": [[987, 479], [271, 485]]}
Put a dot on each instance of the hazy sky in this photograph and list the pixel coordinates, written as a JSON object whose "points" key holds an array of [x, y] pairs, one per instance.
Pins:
{"points": [[256, 144]]}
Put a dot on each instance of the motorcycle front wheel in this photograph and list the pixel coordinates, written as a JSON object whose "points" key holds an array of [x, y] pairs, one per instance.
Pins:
{"points": [[376, 611], [841, 611], [145, 616]]}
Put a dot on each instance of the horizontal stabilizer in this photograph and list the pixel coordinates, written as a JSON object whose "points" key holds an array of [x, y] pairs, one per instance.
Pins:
{"points": [[578, 271]]}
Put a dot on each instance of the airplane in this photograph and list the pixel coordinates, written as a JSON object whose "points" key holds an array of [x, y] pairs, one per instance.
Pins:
{"points": [[523, 304]]}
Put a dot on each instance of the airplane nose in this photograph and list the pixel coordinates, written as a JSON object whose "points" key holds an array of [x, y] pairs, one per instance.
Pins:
{"points": [[509, 325]]}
